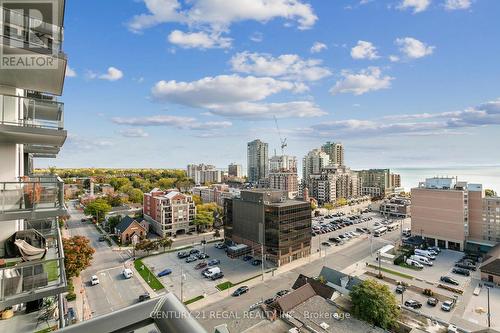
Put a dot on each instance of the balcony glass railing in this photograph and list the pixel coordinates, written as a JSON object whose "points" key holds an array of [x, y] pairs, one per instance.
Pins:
{"points": [[21, 31], [33, 112], [19, 280], [32, 194]]}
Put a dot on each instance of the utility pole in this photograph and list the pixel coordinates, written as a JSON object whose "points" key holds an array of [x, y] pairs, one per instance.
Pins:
{"points": [[379, 264], [489, 313], [262, 260]]}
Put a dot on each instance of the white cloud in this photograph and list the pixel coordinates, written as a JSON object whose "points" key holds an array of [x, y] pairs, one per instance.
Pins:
{"points": [[318, 47], [168, 121], [235, 96], [286, 66], [77, 142], [218, 15], [113, 74], [200, 40], [413, 48], [370, 79], [210, 92], [133, 133], [457, 4], [257, 37], [416, 5], [364, 50], [70, 72], [393, 58]]}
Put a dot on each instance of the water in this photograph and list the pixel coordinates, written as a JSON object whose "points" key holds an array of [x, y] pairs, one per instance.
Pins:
{"points": [[489, 176]]}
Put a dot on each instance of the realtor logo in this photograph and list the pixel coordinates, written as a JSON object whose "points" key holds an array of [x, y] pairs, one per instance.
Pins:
{"points": [[31, 36]]}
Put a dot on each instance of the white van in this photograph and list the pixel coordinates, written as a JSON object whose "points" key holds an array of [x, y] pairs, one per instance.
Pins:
{"points": [[422, 260], [425, 253], [127, 273], [212, 271], [407, 232], [414, 263]]}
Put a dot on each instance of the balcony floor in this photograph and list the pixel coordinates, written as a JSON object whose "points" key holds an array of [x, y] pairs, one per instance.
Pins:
{"points": [[32, 135], [23, 322]]}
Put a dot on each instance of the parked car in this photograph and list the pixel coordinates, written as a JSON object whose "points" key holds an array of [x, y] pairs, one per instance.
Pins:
{"points": [[269, 300], [400, 289], [213, 262], [413, 304], [220, 246], [466, 266], [182, 254], [326, 244], [165, 272], [127, 273], [282, 292], [203, 255], [191, 259], [447, 306], [435, 249], [256, 262], [194, 251], [247, 258], [240, 291], [94, 280], [201, 265], [450, 280], [432, 301], [205, 271], [144, 297], [217, 276], [102, 238], [461, 271]]}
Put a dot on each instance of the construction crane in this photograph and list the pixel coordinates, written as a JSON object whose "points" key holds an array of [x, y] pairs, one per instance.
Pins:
{"points": [[282, 140]]}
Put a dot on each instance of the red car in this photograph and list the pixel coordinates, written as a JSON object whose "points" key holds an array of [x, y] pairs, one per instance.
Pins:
{"points": [[201, 265]]}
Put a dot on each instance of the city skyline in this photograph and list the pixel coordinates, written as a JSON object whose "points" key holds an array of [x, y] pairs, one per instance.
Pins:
{"points": [[326, 73]]}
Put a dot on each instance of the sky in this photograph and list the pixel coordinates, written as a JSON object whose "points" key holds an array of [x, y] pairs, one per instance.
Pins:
{"points": [[164, 83]]}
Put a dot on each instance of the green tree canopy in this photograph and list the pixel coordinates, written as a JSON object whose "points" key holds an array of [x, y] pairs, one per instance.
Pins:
{"points": [[166, 183], [119, 182], [135, 195], [98, 209], [77, 255], [490, 193], [374, 303], [341, 202], [113, 222], [114, 200]]}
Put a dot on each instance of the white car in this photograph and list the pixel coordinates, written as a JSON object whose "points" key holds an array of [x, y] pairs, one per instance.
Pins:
{"points": [[127, 273], [94, 280], [447, 305]]}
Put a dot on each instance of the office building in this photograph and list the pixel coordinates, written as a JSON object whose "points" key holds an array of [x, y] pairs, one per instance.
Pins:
{"points": [[264, 218], [396, 207], [169, 212], [235, 170], [283, 174], [31, 126], [216, 193], [202, 173], [376, 182], [257, 161], [335, 151], [313, 163]]}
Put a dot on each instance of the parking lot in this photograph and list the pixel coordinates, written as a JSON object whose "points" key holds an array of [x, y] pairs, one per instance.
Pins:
{"points": [[194, 284], [478, 305]]}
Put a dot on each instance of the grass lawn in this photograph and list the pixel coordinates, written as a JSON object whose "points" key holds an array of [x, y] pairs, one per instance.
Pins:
{"points": [[224, 285], [192, 300], [410, 267], [52, 270], [154, 283], [403, 275]]}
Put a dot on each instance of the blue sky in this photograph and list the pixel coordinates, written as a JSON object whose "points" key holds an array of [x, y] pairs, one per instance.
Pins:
{"points": [[163, 83]]}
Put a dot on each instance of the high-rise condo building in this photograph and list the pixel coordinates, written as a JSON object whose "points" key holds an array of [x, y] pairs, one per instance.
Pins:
{"points": [[335, 151], [313, 163], [235, 170], [376, 182], [202, 173], [257, 161], [334, 183], [283, 174], [32, 71]]}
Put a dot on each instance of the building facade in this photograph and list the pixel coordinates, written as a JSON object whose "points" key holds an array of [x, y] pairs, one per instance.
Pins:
{"points": [[396, 207], [376, 182], [31, 126], [235, 170], [313, 163], [335, 151], [283, 174], [216, 193], [169, 213], [263, 218], [334, 183], [202, 173], [257, 161]]}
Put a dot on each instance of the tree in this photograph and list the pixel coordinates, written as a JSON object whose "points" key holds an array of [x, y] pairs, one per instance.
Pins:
{"points": [[374, 303], [328, 206], [77, 255], [117, 183], [164, 243], [217, 233], [113, 221], [341, 202], [135, 195], [197, 199], [203, 219], [114, 200], [146, 245], [490, 193], [314, 205], [166, 183], [98, 209]]}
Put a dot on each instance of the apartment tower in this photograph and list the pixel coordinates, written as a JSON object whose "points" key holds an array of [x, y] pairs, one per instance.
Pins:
{"points": [[257, 161]]}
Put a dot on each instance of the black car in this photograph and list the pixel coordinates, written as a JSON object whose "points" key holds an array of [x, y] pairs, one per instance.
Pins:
{"points": [[326, 244], [413, 304], [102, 238], [461, 271], [432, 301], [203, 255], [466, 266], [450, 280], [240, 291], [282, 292], [194, 251], [182, 254], [256, 262], [217, 276], [269, 301], [247, 258], [144, 297], [400, 289]]}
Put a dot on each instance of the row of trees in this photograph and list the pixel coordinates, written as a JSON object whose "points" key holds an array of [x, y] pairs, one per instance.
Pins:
{"points": [[153, 245]]}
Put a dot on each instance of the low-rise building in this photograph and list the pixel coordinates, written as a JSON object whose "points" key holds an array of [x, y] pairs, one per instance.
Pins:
{"points": [[107, 189], [216, 193], [131, 231], [490, 268], [396, 207], [265, 218], [169, 212]]}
